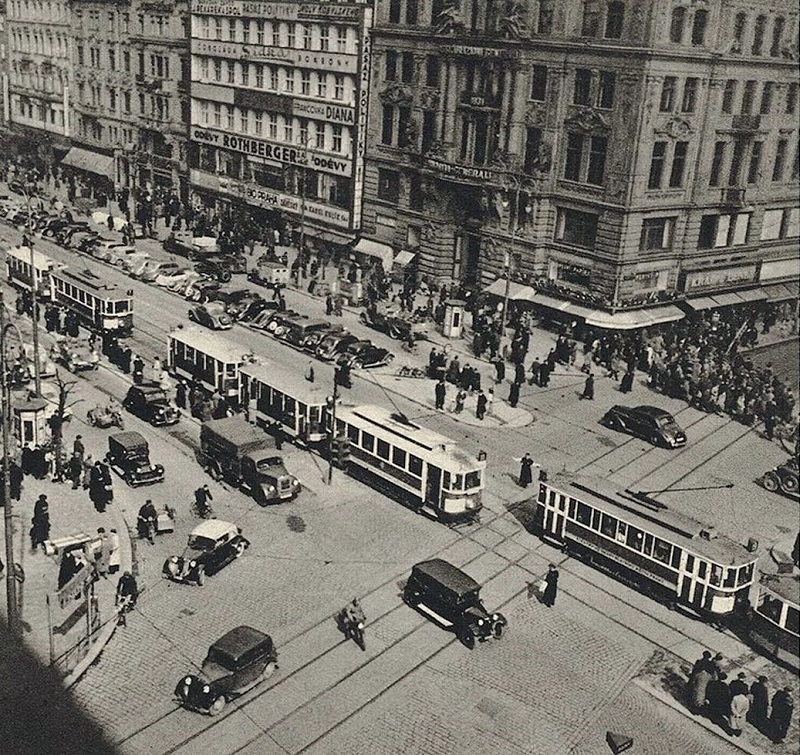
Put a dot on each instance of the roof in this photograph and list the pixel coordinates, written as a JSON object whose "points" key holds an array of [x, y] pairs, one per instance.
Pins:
{"points": [[209, 343], [240, 640], [236, 430], [40, 261], [286, 381], [651, 411], [213, 529], [128, 439], [89, 279], [785, 586], [445, 573]]}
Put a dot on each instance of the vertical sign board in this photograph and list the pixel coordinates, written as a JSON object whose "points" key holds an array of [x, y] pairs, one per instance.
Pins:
{"points": [[361, 116]]}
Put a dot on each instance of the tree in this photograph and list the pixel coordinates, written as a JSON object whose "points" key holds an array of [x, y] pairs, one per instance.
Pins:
{"points": [[58, 419]]}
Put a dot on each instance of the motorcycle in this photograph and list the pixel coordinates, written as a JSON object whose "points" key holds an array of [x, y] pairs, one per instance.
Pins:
{"points": [[105, 417], [351, 628]]}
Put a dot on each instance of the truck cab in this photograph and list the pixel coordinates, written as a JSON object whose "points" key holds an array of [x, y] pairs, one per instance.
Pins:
{"points": [[266, 478]]}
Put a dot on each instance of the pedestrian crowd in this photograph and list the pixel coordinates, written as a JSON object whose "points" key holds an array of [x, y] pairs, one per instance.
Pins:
{"points": [[731, 705]]}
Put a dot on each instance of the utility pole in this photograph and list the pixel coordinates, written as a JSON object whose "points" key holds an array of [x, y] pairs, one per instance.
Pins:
{"points": [[332, 407], [37, 377], [507, 258], [303, 197], [8, 513]]}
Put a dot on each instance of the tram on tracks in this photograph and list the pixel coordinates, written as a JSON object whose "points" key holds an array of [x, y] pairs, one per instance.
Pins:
{"points": [[22, 271], [429, 469], [207, 359], [101, 306], [774, 621], [642, 542], [270, 396]]}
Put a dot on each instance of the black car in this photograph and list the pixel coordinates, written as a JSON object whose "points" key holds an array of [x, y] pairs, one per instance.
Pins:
{"points": [[129, 456], [256, 308], [235, 663], [365, 354], [186, 245], [215, 269], [647, 422], [236, 263], [202, 290], [149, 402], [333, 344], [63, 234], [237, 302], [452, 598], [394, 327], [213, 544]]}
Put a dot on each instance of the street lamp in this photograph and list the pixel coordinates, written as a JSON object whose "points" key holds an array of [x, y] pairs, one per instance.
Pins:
{"points": [[508, 256], [37, 377]]}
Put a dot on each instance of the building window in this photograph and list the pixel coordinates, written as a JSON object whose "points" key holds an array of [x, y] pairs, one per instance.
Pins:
{"points": [[288, 130], [533, 143], [615, 17], [699, 27], [728, 96], [246, 31], [574, 157], [276, 34], [306, 37], [432, 69], [717, 231], [605, 89], [217, 70], [291, 35], [591, 18], [244, 120], [387, 125], [259, 76], [678, 164], [273, 126], [245, 75], [577, 228], [325, 38], [544, 24], [689, 102], [777, 35], [766, 98], [258, 123], [337, 138], [668, 87], [539, 83], [737, 160], [217, 28], [319, 136], [780, 224], [341, 39], [748, 97], [657, 161], [677, 22], [395, 7], [390, 66], [716, 163], [407, 72], [229, 117], [791, 98], [656, 234], [338, 87], [755, 162], [780, 159], [583, 86], [305, 83], [217, 114], [739, 25], [322, 85], [412, 12], [231, 72], [388, 185], [288, 83], [273, 78], [259, 32], [758, 35], [597, 160]]}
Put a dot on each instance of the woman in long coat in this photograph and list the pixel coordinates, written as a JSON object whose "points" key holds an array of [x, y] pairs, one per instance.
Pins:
{"points": [[697, 689]]}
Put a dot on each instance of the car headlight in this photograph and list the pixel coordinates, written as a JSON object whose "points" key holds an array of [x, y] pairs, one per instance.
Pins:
{"points": [[206, 689], [192, 564], [480, 622], [495, 616]]}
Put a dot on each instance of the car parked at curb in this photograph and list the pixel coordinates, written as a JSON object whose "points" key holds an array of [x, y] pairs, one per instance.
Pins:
{"points": [[212, 545], [214, 269], [365, 355], [150, 272], [212, 314], [649, 423], [452, 598], [334, 344], [202, 290]]}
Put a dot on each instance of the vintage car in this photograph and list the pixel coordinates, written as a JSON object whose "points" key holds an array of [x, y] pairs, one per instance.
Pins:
{"points": [[365, 354], [234, 261], [256, 308], [150, 271], [190, 246], [394, 327], [236, 662], [102, 248], [333, 344], [237, 301], [212, 314], [783, 478], [170, 278], [269, 272], [299, 332], [647, 422], [75, 354], [212, 545], [65, 235], [129, 456], [452, 598], [215, 269], [149, 402], [201, 290]]}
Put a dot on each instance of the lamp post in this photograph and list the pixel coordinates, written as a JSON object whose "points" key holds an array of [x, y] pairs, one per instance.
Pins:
{"points": [[508, 256], [331, 401], [303, 177], [37, 377]]}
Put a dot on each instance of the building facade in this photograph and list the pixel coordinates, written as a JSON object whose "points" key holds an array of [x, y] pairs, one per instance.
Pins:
{"points": [[279, 109], [607, 155]]}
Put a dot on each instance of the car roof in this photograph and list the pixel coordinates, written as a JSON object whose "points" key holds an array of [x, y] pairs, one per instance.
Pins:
{"points": [[446, 574], [128, 439], [147, 388], [213, 529], [652, 411], [240, 640]]}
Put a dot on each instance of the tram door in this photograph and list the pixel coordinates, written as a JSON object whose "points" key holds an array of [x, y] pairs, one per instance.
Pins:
{"points": [[433, 486], [555, 514]]}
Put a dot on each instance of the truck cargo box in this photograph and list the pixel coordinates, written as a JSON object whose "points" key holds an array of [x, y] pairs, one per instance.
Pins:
{"points": [[234, 435]]}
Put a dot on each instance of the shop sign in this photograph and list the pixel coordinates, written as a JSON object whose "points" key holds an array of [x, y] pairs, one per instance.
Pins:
{"points": [[698, 279], [335, 13], [478, 51], [324, 112], [323, 61], [462, 172], [361, 129], [273, 103]]}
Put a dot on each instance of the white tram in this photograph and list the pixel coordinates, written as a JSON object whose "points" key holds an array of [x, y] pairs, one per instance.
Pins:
{"points": [[270, 395], [667, 555], [101, 306], [774, 622], [206, 358], [432, 470], [21, 273]]}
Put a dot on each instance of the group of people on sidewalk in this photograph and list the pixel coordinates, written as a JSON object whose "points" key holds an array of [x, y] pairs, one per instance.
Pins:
{"points": [[731, 705]]}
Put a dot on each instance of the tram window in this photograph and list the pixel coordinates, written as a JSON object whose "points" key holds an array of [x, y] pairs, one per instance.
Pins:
{"points": [[352, 433], [458, 482], [609, 526], [584, 514], [745, 575], [562, 502], [573, 505], [676, 557], [472, 480], [595, 519], [551, 499], [399, 457], [702, 568], [622, 532], [716, 575], [368, 442], [770, 607], [793, 619], [446, 481], [383, 449], [689, 563], [340, 428], [635, 538], [415, 465], [230, 370], [730, 578], [662, 550]]}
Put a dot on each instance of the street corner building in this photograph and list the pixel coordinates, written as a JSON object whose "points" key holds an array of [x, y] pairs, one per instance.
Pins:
{"points": [[611, 159]]}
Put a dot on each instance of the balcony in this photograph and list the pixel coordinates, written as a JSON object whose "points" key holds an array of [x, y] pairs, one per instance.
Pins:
{"points": [[732, 196], [746, 123]]}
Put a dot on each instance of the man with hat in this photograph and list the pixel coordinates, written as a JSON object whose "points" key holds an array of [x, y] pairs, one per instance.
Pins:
{"points": [[781, 718]]}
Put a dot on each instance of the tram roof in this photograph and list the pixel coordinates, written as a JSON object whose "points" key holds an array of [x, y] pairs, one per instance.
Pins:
{"points": [[210, 343], [785, 586], [654, 517], [287, 382], [40, 261], [408, 435], [90, 279]]}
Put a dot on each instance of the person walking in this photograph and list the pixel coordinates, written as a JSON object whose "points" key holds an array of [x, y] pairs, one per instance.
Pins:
{"points": [[781, 717], [551, 586], [201, 498], [102, 554], [499, 370], [519, 373], [513, 395], [40, 529], [526, 471], [138, 370], [461, 397], [626, 384], [15, 478], [78, 448], [588, 388], [180, 395], [544, 374], [114, 556], [75, 470], [127, 595], [309, 375], [759, 705], [67, 569], [440, 392], [480, 408]]}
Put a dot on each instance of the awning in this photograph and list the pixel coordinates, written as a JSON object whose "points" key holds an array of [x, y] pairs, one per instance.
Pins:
{"points": [[93, 162], [376, 249], [332, 237], [516, 291], [726, 300], [701, 303], [404, 257], [548, 301], [637, 318], [752, 294], [781, 291]]}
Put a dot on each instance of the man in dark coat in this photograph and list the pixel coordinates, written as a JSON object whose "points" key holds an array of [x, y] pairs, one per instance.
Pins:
{"points": [[544, 374], [525, 473], [126, 359], [759, 707], [441, 394], [75, 470], [519, 373], [719, 701], [480, 409], [551, 360], [588, 388], [15, 478], [26, 459], [550, 591], [78, 449], [67, 569], [100, 486], [626, 384], [38, 463], [180, 395], [40, 529], [499, 370], [781, 718], [513, 395], [739, 686], [535, 367], [138, 370]]}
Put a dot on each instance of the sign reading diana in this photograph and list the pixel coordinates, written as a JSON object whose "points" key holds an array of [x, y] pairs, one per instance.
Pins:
{"points": [[282, 153], [324, 112], [338, 13]]}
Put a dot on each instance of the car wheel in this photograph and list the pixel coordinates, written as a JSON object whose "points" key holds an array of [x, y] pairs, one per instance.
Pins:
{"points": [[656, 440], [224, 277], [269, 670], [240, 549], [466, 637], [217, 706], [770, 482], [201, 576], [499, 628], [790, 483]]}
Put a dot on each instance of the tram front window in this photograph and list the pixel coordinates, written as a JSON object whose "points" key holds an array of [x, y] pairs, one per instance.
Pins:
{"points": [[457, 482], [472, 480], [745, 575]]}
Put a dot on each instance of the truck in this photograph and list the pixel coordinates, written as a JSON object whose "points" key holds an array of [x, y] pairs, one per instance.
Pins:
{"points": [[242, 454]]}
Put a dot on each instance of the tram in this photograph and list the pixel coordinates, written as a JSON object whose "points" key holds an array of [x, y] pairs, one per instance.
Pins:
{"points": [[271, 396], [212, 362], [637, 539], [774, 621], [439, 477], [100, 306], [21, 273]]}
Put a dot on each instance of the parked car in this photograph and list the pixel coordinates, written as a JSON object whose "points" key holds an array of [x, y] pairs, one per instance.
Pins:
{"points": [[297, 332], [279, 320], [150, 272], [214, 269], [237, 301], [181, 283], [333, 344], [236, 263], [186, 244], [212, 314], [452, 598], [51, 227], [313, 339], [394, 327], [83, 241], [261, 320], [202, 290], [129, 456], [256, 308], [168, 278], [783, 478], [63, 236], [101, 248], [212, 545], [149, 402], [235, 663], [647, 422], [119, 255], [269, 272], [365, 354], [75, 354]]}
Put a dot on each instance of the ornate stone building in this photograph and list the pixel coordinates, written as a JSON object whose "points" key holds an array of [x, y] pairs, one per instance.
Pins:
{"points": [[613, 156]]}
